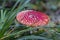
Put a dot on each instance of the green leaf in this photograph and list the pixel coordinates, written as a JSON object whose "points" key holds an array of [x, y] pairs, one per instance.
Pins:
{"points": [[33, 37]]}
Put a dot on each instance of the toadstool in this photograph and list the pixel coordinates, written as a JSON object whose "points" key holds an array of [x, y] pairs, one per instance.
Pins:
{"points": [[32, 18]]}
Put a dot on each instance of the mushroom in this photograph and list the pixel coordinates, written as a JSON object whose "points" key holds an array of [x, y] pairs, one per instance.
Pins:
{"points": [[32, 18]]}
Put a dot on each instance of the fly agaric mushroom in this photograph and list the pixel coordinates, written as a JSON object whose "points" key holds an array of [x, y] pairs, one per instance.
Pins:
{"points": [[32, 18]]}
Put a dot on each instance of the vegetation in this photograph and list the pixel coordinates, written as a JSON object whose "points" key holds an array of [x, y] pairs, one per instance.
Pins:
{"points": [[10, 29]]}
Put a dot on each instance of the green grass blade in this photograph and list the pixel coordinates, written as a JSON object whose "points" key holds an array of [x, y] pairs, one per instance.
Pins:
{"points": [[2, 15], [16, 4], [10, 18]]}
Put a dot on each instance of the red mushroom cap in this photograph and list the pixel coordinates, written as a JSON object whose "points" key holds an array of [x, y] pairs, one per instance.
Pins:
{"points": [[32, 18]]}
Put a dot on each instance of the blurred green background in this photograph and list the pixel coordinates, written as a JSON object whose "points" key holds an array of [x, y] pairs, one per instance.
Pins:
{"points": [[10, 29]]}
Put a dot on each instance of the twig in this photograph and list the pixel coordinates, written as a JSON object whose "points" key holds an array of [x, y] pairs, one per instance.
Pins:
{"points": [[11, 31]]}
